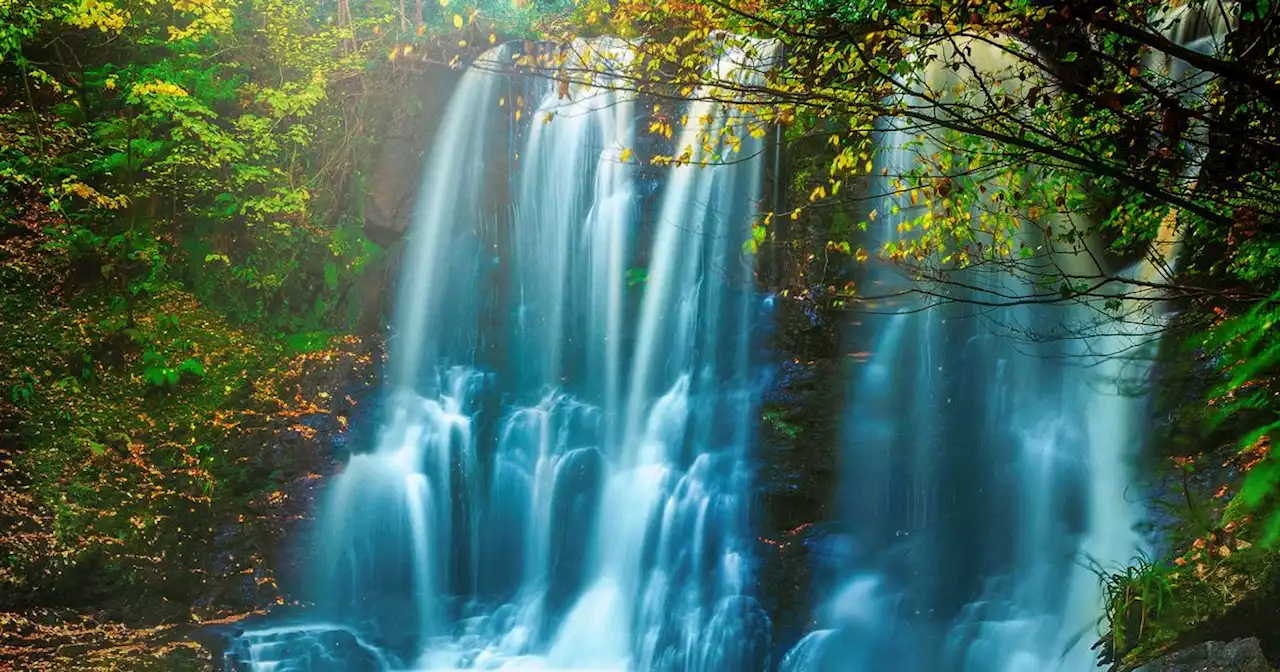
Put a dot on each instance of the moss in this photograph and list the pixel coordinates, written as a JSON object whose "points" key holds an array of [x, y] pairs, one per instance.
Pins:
{"points": [[112, 484], [777, 420]]}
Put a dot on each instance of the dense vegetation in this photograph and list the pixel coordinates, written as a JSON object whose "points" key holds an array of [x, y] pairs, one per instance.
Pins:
{"points": [[180, 238], [185, 189]]}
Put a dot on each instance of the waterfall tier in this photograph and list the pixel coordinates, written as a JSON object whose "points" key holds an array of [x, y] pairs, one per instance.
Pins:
{"points": [[561, 478]]}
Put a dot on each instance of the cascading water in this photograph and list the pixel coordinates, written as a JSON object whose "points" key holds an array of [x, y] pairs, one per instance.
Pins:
{"points": [[561, 479], [986, 476], [981, 471]]}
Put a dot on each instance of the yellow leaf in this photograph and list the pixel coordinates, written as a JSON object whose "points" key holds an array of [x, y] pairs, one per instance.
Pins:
{"points": [[817, 193], [457, 20], [492, 38], [795, 214], [626, 155], [444, 3]]}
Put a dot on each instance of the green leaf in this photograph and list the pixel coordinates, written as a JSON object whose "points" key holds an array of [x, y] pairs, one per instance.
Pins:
{"points": [[1259, 482], [227, 204], [1271, 532], [154, 375], [192, 366], [331, 276]]}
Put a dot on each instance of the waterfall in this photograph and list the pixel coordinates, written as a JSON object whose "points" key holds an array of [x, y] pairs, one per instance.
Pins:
{"points": [[987, 474], [984, 475], [561, 479]]}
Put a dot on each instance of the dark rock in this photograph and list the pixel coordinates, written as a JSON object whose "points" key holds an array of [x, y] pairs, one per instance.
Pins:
{"points": [[579, 481], [739, 636], [1241, 655], [304, 649], [397, 173], [799, 466]]}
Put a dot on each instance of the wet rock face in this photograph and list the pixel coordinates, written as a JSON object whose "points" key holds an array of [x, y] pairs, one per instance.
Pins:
{"points": [[799, 468], [303, 649], [1242, 655], [259, 558], [396, 175]]}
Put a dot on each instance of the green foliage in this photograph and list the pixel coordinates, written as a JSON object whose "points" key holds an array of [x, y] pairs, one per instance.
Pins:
{"points": [[198, 141], [1249, 352], [306, 342], [1151, 605], [1013, 152], [180, 184], [1135, 597], [779, 422], [1225, 547], [158, 373], [22, 390]]}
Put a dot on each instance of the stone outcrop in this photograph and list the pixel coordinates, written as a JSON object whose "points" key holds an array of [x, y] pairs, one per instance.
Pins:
{"points": [[1241, 655]]}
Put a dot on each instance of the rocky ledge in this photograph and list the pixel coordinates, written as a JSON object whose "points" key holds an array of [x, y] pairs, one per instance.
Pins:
{"points": [[1241, 655]]}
